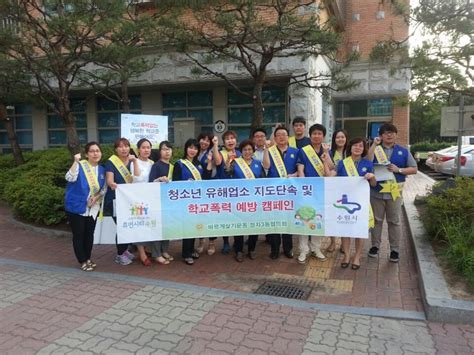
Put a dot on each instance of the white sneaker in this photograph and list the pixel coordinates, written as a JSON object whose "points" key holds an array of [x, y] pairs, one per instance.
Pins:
{"points": [[302, 258], [318, 255]]}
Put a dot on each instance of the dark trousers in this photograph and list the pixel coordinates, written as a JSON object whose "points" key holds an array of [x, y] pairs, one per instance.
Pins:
{"points": [[188, 248], [82, 235], [276, 241], [108, 211], [239, 243]]}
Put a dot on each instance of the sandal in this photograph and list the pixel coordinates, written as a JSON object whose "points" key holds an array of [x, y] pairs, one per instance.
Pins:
{"points": [[211, 250], [195, 255], [162, 260], [168, 257], [86, 267], [200, 247], [91, 264], [355, 267], [345, 265], [189, 261]]}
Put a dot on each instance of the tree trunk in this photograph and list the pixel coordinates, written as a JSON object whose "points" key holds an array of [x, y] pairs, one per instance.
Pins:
{"points": [[73, 143], [257, 105], [17, 153], [125, 98]]}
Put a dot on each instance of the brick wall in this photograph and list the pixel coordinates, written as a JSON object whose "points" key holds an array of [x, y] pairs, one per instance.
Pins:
{"points": [[369, 29], [401, 120]]}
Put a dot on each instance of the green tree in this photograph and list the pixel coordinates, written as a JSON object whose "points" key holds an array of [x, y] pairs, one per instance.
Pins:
{"points": [[255, 33], [14, 87], [450, 27], [124, 53], [51, 39]]}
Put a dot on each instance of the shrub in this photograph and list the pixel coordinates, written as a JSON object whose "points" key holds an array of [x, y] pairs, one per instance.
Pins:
{"points": [[429, 146], [449, 217], [35, 190]]}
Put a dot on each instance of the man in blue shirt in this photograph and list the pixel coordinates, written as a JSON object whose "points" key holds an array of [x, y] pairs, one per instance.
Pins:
{"points": [[399, 161]]}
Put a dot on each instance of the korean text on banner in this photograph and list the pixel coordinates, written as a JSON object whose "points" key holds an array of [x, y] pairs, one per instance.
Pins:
{"points": [[189, 209]]}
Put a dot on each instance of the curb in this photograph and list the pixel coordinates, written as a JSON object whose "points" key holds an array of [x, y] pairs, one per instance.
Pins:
{"points": [[438, 302], [42, 230]]}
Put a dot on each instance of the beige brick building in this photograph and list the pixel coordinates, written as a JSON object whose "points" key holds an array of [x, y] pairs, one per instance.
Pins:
{"points": [[172, 89]]}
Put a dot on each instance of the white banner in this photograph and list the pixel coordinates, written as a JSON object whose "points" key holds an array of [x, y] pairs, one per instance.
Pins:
{"points": [[152, 127], [337, 206]]}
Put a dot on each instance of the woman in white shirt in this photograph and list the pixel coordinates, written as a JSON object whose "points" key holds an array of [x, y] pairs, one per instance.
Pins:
{"points": [[145, 164]]}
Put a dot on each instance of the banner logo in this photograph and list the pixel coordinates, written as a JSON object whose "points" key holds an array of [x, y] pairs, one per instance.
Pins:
{"points": [[350, 207]]}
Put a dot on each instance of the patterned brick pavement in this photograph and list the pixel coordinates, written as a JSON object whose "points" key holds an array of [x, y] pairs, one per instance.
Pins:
{"points": [[59, 311], [378, 284]]}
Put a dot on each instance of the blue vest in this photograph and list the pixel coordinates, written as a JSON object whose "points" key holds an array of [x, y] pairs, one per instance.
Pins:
{"points": [[75, 200], [290, 159], [186, 173], [365, 166], [399, 158], [255, 166], [221, 174], [309, 170]]}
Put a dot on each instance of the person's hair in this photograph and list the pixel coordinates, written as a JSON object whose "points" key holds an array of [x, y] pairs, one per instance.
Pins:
{"points": [[143, 140], [229, 133], [189, 143], [279, 128], [163, 144], [317, 127], [333, 141], [246, 143], [259, 129], [205, 135], [387, 127], [298, 119], [120, 141], [356, 141], [89, 145]]}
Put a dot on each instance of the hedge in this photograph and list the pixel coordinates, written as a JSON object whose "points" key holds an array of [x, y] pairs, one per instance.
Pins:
{"points": [[449, 218], [429, 146], [35, 190]]}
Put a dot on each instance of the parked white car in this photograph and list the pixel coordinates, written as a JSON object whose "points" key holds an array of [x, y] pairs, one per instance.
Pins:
{"points": [[430, 162], [444, 161], [467, 165]]}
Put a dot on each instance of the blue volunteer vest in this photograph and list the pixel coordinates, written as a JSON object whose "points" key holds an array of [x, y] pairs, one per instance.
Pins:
{"points": [[290, 159], [399, 158], [186, 173], [255, 166], [365, 166], [75, 200]]}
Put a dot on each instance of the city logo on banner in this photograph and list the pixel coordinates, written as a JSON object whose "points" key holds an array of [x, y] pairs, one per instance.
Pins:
{"points": [[350, 208]]}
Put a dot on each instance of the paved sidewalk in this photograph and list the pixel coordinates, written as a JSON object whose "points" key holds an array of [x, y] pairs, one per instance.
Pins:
{"points": [[379, 284], [51, 310]]}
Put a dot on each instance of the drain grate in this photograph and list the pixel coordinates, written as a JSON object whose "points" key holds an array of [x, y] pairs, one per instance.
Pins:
{"points": [[285, 290]]}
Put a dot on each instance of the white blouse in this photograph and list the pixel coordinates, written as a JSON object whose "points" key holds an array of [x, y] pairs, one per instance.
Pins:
{"points": [[145, 168]]}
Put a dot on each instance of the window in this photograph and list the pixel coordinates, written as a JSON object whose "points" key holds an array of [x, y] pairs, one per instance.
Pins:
{"points": [[22, 124], [364, 108], [380, 107], [57, 132], [197, 104], [241, 113], [108, 116]]}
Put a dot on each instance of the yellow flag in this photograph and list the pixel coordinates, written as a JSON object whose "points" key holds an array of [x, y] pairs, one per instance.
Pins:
{"points": [[391, 187]]}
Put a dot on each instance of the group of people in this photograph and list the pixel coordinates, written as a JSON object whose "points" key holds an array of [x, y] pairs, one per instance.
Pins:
{"points": [[280, 157]]}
